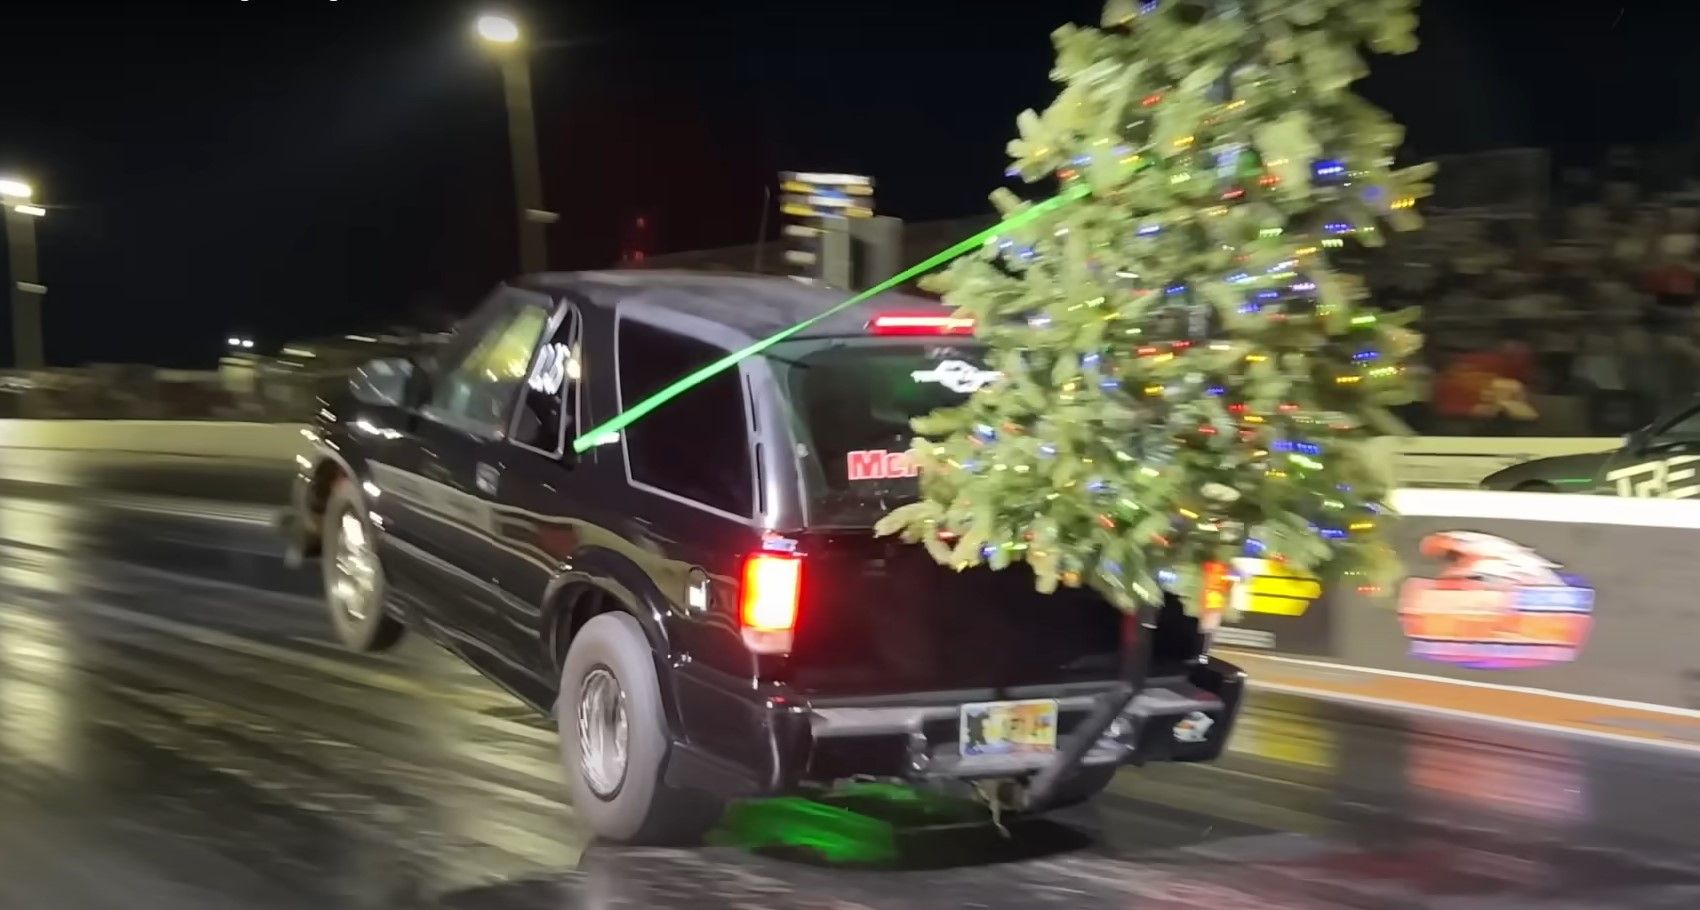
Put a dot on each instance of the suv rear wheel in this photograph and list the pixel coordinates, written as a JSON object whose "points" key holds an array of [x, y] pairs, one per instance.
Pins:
{"points": [[353, 575], [613, 741]]}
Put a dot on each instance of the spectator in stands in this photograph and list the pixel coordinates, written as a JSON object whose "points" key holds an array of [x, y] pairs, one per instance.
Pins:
{"points": [[1679, 358], [1671, 281], [1600, 377], [1556, 341], [1643, 374], [1481, 392]]}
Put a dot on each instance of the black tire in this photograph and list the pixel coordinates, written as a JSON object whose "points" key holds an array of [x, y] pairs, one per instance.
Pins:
{"points": [[376, 630], [1083, 786], [640, 808]]}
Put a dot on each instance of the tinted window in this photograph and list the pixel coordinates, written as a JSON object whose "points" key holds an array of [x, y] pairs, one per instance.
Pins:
{"points": [[1685, 428], [696, 445], [854, 403], [475, 393], [546, 406]]}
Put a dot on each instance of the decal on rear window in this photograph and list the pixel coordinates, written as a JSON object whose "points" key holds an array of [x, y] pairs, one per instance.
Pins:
{"points": [[880, 464], [958, 376]]}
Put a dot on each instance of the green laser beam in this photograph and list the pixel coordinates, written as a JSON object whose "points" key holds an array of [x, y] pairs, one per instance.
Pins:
{"points": [[633, 414]]}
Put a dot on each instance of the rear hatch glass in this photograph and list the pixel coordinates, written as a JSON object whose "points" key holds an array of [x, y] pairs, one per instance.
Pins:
{"points": [[881, 616], [853, 400]]}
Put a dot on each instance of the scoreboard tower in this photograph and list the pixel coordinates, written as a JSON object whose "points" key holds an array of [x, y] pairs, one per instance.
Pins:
{"points": [[818, 212]]}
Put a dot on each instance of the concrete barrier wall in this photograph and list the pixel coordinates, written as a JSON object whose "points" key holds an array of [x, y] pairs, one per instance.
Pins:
{"points": [[1588, 596], [1462, 461], [212, 439]]}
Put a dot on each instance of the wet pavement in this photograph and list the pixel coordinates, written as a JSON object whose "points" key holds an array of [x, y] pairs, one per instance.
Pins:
{"points": [[177, 731]]}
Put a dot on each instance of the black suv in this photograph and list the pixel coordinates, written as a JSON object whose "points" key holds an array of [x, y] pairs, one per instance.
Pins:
{"points": [[700, 598]]}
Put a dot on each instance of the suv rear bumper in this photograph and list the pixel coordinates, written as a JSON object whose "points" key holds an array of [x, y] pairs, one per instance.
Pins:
{"points": [[1185, 717]]}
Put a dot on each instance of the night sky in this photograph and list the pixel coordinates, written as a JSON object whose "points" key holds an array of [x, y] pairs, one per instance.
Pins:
{"points": [[287, 168]]}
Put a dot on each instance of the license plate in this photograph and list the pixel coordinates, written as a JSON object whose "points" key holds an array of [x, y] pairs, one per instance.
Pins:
{"points": [[1008, 728]]}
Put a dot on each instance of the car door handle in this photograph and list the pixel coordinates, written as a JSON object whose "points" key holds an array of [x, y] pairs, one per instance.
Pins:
{"points": [[486, 476]]}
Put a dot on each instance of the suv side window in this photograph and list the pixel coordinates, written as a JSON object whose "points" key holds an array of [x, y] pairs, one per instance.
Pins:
{"points": [[475, 393], [1682, 428], [696, 446], [548, 405]]}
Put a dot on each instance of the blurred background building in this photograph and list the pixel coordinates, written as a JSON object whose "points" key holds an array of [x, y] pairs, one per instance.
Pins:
{"points": [[1577, 285]]}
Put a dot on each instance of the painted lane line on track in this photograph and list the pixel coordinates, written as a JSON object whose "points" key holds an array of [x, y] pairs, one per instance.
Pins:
{"points": [[390, 681], [233, 753], [186, 675], [1529, 709], [1409, 707], [1474, 684], [293, 733], [332, 702], [183, 507]]}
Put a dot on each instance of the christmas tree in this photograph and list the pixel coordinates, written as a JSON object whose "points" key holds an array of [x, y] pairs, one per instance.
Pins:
{"points": [[1185, 380]]}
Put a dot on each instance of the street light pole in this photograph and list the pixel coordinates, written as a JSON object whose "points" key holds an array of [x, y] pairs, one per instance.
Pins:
{"points": [[27, 290], [528, 173], [504, 35]]}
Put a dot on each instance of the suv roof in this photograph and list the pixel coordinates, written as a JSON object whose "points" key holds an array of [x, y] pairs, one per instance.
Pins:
{"points": [[755, 305]]}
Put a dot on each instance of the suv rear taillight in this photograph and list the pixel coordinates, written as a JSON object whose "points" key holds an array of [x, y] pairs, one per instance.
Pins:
{"points": [[772, 586]]}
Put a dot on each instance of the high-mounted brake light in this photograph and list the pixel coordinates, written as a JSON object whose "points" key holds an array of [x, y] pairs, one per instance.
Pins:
{"points": [[767, 601], [920, 324]]}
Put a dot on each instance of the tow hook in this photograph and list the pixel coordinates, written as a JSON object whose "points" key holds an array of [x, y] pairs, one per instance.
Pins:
{"points": [[999, 795]]}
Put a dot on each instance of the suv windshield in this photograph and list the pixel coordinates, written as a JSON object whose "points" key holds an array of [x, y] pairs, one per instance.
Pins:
{"points": [[853, 401]]}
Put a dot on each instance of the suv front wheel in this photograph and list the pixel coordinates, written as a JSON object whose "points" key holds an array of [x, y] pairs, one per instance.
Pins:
{"points": [[613, 741], [353, 575]]}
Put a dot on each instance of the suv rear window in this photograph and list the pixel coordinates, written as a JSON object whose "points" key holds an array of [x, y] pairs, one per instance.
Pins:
{"points": [[854, 401]]}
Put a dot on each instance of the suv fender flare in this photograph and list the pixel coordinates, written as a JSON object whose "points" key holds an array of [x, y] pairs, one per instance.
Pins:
{"points": [[629, 590], [314, 476], [614, 575]]}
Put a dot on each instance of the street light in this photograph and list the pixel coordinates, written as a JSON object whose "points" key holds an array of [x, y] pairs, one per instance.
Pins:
{"points": [[498, 29], [27, 289], [503, 35]]}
